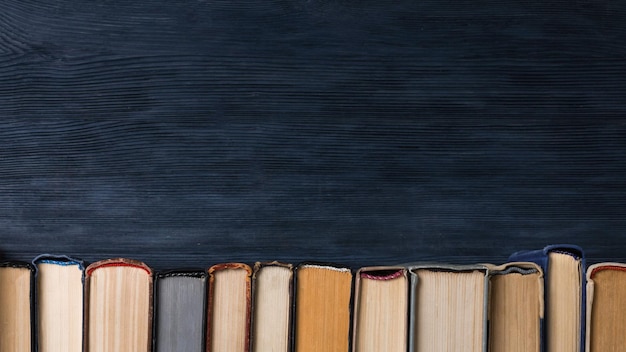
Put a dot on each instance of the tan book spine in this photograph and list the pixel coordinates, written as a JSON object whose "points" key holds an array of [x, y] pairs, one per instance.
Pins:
{"points": [[276, 336], [435, 327], [59, 303], [16, 307], [391, 332], [122, 262], [212, 271]]}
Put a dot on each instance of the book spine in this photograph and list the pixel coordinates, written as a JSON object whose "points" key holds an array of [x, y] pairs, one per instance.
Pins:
{"points": [[112, 263], [56, 260], [211, 271], [160, 277], [382, 273], [414, 280], [540, 257], [258, 266], [30, 267], [332, 266]]}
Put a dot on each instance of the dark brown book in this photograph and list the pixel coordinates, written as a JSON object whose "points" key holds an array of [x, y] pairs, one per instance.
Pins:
{"points": [[228, 324], [118, 306]]}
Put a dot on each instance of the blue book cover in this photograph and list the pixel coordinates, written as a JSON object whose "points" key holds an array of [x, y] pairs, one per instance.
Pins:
{"points": [[542, 257]]}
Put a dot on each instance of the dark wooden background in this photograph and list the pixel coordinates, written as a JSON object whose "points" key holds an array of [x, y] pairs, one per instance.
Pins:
{"points": [[186, 133]]}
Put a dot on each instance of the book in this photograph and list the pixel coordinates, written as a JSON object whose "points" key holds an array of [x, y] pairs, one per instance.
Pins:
{"points": [[118, 306], [59, 303], [323, 297], [448, 308], [563, 266], [229, 305], [16, 311], [381, 309], [180, 311], [515, 312], [272, 287], [606, 304]]}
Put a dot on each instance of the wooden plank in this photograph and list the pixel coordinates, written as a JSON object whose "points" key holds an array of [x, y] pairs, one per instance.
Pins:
{"points": [[187, 133]]}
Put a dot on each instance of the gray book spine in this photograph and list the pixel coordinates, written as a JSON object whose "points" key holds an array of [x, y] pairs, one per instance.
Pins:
{"points": [[180, 308]]}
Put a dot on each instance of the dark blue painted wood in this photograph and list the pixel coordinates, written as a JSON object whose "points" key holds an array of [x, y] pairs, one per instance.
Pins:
{"points": [[186, 133]]}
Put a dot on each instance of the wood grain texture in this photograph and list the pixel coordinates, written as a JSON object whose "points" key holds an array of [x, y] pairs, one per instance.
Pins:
{"points": [[188, 133]]}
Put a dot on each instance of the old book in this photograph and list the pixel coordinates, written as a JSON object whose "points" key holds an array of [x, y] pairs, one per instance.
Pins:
{"points": [[228, 324], [515, 307], [16, 312], [606, 304], [180, 311], [322, 308], [59, 303], [564, 296], [272, 301], [448, 308], [381, 310], [118, 306]]}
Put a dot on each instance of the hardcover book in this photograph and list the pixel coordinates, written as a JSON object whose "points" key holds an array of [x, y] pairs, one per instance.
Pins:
{"points": [[272, 287], [563, 266], [180, 311], [515, 307], [448, 308], [228, 325], [118, 306], [381, 310], [322, 308], [59, 303], [16, 311], [606, 307]]}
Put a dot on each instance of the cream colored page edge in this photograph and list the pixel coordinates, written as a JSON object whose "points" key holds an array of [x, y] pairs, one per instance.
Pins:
{"points": [[413, 280], [526, 265], [357, 298]]}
